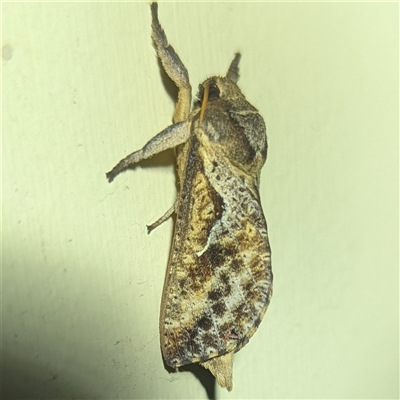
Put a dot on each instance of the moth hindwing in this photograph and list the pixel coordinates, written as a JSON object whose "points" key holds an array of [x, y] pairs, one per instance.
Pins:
{"points": [[219, 280]]}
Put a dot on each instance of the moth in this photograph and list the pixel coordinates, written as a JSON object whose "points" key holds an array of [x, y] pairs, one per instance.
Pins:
{"points": [[218, 282]]}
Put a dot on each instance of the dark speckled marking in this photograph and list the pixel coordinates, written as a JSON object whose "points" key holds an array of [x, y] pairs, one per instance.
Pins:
{"points": [[215, 295], [204, 323], [219, 309]]}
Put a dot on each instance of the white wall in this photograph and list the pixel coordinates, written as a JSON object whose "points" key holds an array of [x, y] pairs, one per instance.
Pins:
{"points": [[82, 280]]}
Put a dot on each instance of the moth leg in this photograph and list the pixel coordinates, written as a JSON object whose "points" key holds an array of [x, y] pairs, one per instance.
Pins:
{"points": [[221, 368], [168, 138], [162, 219], [173, 66], [233, 70]]}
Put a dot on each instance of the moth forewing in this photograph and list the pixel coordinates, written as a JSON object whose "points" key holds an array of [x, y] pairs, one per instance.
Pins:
{"points": [[219, 279], [218, 282]]}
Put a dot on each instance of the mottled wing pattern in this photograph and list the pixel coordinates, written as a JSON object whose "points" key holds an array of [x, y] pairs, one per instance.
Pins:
{"points": [[219, 280]]}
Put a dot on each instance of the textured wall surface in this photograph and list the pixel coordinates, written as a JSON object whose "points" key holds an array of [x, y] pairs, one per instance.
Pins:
{"points": [[81, 279]]}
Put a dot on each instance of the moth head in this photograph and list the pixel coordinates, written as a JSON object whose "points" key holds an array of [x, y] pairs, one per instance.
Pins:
{"points": [[217, 89], [208, 91], [221, 87]]}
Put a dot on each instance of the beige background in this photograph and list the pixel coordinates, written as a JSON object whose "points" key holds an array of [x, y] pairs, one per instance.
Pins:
{"points": [[82, 280]]}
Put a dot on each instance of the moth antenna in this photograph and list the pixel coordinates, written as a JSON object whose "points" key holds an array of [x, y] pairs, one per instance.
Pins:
{"points": [[233, 70], [204, 101]]}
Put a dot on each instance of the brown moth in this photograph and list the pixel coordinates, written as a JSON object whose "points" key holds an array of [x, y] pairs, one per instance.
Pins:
{"points": [[219, 281]]}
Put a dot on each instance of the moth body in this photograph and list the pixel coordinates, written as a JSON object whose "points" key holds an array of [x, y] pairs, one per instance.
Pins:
{"points": [[218, 282]]}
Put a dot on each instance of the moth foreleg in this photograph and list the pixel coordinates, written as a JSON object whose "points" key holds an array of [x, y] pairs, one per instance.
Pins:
{"points": [[233, 71], [170, 137], [173, 66]]}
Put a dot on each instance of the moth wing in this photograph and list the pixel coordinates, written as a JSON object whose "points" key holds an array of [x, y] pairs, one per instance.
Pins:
{"points": [[219, 281]]}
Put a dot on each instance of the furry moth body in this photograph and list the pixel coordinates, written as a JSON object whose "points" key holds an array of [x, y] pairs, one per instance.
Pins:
{"points": [[219, 281]]}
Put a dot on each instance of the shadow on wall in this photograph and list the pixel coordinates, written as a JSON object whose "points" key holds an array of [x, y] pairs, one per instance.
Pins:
{"points": [[23, 379]]}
